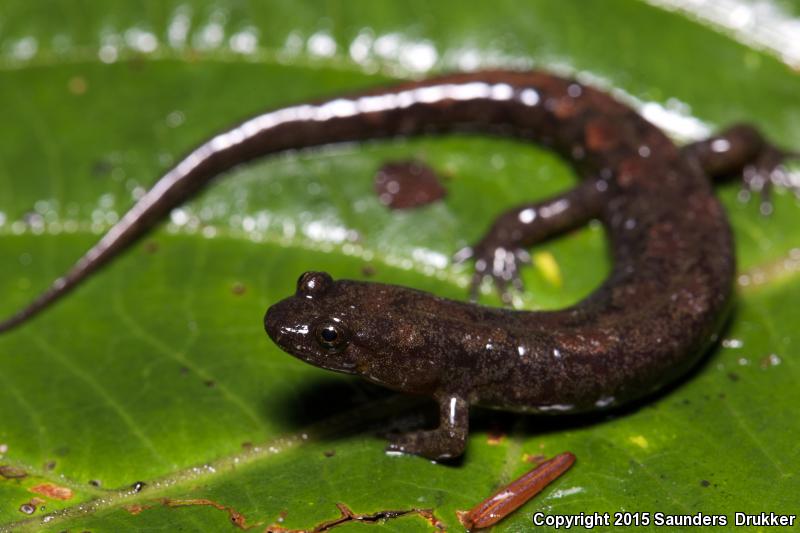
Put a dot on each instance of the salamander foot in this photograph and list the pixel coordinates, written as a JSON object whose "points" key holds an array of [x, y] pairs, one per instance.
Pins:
{"points": [[500, 264], [437, 444], [445, 442], [767, 171]]}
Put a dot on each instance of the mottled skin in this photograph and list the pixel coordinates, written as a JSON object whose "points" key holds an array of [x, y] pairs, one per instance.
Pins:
{"points": [[645, 325]]}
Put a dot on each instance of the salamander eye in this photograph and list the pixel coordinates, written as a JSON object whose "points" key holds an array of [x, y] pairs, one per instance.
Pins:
{"points": [[332, 336], [311, 284]]}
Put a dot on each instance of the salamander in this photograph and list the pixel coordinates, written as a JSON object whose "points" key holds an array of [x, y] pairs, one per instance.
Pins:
{"points": [[647, 324]]}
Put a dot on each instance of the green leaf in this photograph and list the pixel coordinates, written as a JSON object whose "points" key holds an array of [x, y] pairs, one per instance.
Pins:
{"points": [[157, 370]]}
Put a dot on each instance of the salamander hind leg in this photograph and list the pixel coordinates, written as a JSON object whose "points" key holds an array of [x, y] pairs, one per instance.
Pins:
{"points": [[446, 441], [741, 150], [502, 251]]}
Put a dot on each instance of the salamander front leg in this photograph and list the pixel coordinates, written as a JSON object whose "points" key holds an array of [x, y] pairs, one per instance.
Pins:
{"points": [[501, 252], [742, 150], [446, 441]]}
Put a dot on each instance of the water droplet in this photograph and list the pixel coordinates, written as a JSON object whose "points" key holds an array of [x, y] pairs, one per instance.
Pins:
{"points": [[175, 119], [25, 48], [321, 44], [245, 41], [27, 508]]}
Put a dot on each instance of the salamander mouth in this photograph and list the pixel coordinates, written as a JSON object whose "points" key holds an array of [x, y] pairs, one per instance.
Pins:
{"points": [[318, 358]]}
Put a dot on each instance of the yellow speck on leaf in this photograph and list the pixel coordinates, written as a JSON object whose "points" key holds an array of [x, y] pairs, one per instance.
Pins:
{"points": [[548, 266], [639, 440]]}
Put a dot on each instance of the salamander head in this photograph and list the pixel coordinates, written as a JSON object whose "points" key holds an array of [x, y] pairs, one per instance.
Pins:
{"points": [[355, 327]]}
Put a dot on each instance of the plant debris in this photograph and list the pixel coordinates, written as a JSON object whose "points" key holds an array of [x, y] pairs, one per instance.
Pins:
{"points": [[347, 515]]}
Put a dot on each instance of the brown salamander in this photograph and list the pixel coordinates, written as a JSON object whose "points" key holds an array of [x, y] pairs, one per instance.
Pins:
{"points": [[647, 324]]}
